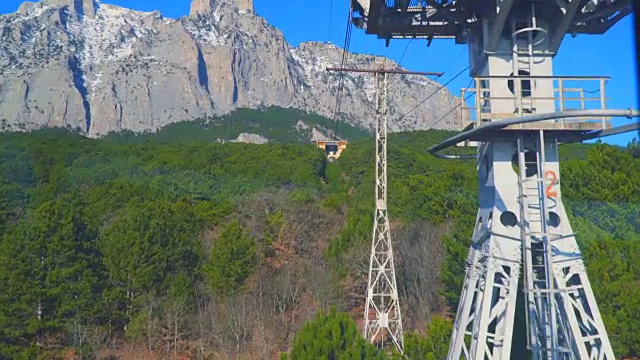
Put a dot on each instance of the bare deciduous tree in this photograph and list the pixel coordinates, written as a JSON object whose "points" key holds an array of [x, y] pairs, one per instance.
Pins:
{"points": [[419, 256]]}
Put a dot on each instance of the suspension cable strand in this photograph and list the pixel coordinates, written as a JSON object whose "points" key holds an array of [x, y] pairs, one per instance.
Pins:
{"points": [[454, 60], [433, 93], [449, 112], [345, 56], [455, 107], [405, 51]]}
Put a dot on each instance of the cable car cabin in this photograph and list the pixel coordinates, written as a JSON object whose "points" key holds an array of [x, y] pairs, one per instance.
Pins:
{"points": [[333, 149]]}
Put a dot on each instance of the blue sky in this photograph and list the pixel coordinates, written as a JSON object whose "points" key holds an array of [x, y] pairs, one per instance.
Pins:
{"points": [[611, 54]]}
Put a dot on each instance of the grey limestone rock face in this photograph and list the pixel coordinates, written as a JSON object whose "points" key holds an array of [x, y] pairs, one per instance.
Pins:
{"points": [[208, 7], [251, 139], [99, 68], [317, 135]]}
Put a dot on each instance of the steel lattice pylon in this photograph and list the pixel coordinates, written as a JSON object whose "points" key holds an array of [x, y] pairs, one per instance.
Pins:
{"points": [[382, 319]]}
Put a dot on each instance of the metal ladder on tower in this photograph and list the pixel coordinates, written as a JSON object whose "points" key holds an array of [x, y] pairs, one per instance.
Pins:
{"points": [[545, 328], [563, 321], [523, 60]]}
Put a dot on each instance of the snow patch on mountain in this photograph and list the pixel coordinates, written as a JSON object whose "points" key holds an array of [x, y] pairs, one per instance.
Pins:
{"points": [[205, 31], [29, 11], [109, 36]]}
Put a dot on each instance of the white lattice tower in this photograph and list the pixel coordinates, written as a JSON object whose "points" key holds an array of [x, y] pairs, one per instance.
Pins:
{"points": [[382, 320]]}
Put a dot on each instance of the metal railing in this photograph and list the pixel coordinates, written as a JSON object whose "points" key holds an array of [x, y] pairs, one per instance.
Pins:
{"points": [[569, 93], [415, 4]]}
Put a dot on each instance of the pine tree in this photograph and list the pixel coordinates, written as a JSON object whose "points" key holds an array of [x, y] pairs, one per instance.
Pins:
{"points": [[332, 336], [50, 274], [435, 345], [144, 247], [232, 260]]}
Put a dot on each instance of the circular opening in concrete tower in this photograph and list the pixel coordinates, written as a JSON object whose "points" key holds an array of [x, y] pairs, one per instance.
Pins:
{"points": [[530, 163], [554, 219], [508, 219], [525, 84]]}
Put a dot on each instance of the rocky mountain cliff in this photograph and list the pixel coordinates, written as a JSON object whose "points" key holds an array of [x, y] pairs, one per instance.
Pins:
{"points": [[100, 68]]}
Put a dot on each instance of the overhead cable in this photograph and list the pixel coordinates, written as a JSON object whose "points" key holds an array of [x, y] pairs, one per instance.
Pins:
{"points": [[405, 51], [433, 93], [345, 55]]}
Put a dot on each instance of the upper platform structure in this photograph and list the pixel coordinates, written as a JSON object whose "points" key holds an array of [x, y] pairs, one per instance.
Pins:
{"points": [[461, 20], [567, 93], [511, 48]]}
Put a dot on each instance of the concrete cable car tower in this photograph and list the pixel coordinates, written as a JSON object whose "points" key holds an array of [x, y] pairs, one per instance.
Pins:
{"points": [[522, 239]]}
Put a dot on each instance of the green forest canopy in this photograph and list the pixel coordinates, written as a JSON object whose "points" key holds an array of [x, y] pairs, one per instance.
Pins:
{"points": [[110, 239]]}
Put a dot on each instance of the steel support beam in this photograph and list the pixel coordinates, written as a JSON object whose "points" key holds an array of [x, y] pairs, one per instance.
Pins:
{"points": [[564, 24], [590, 28], [562, 318], [481, 133], [497, 23], [456, 18], [387, 71], [382, 317], [376, 8]]}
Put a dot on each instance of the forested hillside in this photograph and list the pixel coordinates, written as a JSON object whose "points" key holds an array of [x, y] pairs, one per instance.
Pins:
{"points": [[274, 123], [175, 246]]}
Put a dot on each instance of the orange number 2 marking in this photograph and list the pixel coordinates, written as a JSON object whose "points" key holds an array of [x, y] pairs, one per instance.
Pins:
{"points": [[552, 179]]}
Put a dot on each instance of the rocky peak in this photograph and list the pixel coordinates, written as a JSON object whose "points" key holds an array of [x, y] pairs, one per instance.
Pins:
{"points": [[244, 5], [202, 7], [114, 68], [334, 53], [25, 7], [81, 8], [317, 45], [208, 7]]}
